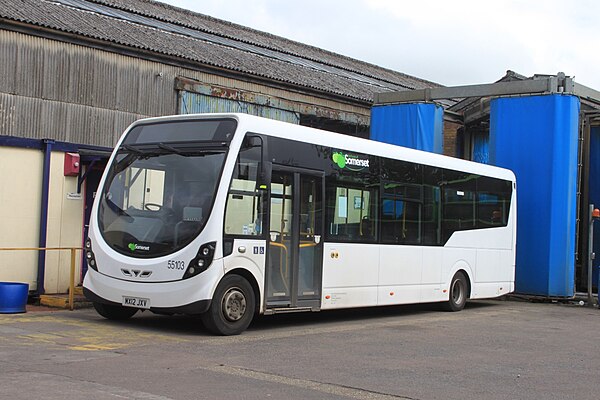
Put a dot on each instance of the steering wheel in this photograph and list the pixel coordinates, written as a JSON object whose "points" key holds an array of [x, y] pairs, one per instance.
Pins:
{"points": [[153, 206]]}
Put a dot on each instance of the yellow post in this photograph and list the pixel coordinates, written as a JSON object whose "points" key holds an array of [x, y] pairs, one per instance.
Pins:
{"points": [[72, 272], [72, 279]]}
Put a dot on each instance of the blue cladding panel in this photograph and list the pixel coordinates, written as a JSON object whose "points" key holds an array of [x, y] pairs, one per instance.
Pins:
{"points": [[594, 194], [418, 126], [536, 137], [195, 103], [481, 153]]}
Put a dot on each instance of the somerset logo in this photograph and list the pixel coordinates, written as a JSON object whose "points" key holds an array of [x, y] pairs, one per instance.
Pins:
{"points": [[135, 246], [348, 161]]}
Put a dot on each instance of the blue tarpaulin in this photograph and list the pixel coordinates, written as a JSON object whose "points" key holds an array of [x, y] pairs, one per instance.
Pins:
{"points": [[536, 137], [419, 125]]}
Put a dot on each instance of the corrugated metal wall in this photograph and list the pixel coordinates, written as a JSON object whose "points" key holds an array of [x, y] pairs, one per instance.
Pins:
{"points": [[54, 90], [68, 92], [193, 103], [38, 118]]}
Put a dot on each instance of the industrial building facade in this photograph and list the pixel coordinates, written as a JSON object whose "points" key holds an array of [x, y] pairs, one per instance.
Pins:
{"points": [[75, 73]]}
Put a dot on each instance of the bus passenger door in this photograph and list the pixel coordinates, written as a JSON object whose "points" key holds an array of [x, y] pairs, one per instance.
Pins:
{"points": [[295, 251]]}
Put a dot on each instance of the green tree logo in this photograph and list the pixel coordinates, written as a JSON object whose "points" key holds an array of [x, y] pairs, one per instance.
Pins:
{"points": [[339, 158], [131, 246]]}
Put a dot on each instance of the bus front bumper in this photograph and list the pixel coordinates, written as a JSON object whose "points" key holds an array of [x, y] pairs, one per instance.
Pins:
{"points": [[189, 296]]}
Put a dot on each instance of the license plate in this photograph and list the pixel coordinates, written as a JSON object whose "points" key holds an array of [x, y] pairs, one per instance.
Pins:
{"points": [[137, 302]]}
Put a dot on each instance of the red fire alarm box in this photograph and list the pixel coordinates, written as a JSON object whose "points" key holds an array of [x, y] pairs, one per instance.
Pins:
{"points": [[72, 164]]}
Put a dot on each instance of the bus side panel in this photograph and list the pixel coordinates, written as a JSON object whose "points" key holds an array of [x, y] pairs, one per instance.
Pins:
{"points": [[249, 255], [490, 238], [494, 273], [400, 270], [487, 290], [432, 274], [493, 266], [350, 275], [348, 297]]}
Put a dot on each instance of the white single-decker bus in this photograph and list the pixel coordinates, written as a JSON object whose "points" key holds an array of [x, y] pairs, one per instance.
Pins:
{"points": [[228, 215]]}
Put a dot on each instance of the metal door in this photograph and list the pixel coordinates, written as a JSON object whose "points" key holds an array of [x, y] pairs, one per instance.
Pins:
{"points": [[295, 251]]}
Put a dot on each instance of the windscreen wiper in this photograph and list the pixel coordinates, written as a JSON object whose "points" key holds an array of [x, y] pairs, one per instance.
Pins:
{"points": [[179, 148], [131, 149], [193, 148], [170, 149]]}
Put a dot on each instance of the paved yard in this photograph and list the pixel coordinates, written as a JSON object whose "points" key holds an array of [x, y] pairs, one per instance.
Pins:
{"points": [[491, 350]]}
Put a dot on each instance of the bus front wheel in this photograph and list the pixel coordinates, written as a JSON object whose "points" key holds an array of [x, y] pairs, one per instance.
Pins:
{"points": [[232, 307], [117, 313], [459, 292]]}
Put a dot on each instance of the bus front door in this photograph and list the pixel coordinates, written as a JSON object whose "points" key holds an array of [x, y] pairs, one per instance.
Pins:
{"points": [[295, 251]]}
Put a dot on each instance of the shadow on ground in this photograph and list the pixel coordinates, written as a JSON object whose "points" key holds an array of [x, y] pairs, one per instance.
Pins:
{"points": [[192, 325]]}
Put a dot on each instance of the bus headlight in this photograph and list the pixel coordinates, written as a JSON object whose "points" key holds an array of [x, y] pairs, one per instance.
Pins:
{"points": [[202, 260], [89, 255]]}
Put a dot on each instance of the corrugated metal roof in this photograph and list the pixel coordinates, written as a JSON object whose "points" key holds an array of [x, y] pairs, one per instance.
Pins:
{"points": [[182, 34], [222, 40]]}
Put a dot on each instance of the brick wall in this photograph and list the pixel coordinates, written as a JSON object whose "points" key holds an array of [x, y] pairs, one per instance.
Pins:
{"points": [[450, 129]]}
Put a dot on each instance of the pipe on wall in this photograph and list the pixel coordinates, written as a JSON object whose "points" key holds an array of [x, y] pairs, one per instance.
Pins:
{"points": [[47, 147]]}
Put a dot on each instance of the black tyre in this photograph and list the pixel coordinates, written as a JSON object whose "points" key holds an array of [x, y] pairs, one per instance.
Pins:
{"points": [[117, 313], [459, 292], [232, 307]]}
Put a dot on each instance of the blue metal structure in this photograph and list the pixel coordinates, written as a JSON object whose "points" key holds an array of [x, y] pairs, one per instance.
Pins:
{"points": [[594, 194], [481, 148], [537, 138], [416, 125]]}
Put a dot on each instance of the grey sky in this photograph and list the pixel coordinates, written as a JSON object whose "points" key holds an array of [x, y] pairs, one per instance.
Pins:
{"points": [[450, 42]]}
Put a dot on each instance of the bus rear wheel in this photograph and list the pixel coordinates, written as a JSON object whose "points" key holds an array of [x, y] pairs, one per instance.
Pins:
{"points": [[459, 292], [232, 307], [117, 313]]}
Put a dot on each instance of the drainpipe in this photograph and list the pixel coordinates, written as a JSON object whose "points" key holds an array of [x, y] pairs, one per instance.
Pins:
{"points": [[48, 143]]}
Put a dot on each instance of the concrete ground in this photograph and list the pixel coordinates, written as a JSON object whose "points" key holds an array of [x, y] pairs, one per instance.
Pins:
{"points": [[491, 350]]}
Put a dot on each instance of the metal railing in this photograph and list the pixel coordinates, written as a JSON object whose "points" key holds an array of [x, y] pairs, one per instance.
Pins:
{"points": [[73, 251]]}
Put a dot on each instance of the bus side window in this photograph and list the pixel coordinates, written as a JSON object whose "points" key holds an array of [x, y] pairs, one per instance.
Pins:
{"points": [[244, 210], [432, 205], [351, 214], [493, 199], [401, 213]]}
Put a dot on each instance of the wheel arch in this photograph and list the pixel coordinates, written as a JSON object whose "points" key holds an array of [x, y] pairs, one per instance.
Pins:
{"points": [[468, 281], [249, 276], [465, 268]]}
